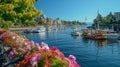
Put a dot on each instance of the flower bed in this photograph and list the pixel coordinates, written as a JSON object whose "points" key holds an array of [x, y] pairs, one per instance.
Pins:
{"points": [[34, 54]]}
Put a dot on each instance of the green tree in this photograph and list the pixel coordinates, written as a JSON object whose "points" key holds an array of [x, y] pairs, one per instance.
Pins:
{"points": [[20, 12], [111, 18], [5, 24]]}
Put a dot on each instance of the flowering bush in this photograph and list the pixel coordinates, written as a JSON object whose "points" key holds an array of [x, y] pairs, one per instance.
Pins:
{"points": [[35, 55]]}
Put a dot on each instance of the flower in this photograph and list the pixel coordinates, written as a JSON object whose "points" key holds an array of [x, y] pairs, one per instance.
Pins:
{"points": [[72, 62], [13, 37], [44, 45], [35, 55], [28, 47], [11, 55], [53, 48], [21, 49], [56, 51], [14, 51], [72, 58]]}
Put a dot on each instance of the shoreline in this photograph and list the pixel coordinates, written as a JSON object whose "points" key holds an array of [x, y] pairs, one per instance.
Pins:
{"points": [[21, 29]]}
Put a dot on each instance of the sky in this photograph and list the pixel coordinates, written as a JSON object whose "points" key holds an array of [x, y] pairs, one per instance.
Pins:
{"points": [[77, 9]]}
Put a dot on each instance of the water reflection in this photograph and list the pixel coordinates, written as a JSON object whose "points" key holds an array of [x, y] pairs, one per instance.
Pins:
{"points": [[36, 36], [104, 46], [76, 37], [101, 43], [42, 35]]}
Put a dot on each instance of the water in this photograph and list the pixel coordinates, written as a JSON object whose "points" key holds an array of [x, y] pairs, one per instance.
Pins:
{"points": [[89, 53]]}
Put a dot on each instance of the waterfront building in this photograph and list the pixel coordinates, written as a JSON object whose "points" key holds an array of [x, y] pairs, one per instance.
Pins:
{"points": [[41, 18], [117, 16], [49, 21], [57, 21]]}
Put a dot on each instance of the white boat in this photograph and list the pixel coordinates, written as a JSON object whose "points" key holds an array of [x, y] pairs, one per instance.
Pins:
{"points": [[39, 29], [76, 32], [112, 34]]}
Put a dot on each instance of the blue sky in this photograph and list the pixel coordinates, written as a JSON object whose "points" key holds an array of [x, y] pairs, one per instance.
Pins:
{"points": [[77, 9]]}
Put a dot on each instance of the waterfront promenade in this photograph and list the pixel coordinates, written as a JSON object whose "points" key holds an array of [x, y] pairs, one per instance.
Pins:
{"points": [[21, 29]]}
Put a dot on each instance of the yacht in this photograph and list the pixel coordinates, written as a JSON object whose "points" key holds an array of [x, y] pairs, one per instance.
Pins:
{"points": [[39, 29], [76, 32]]}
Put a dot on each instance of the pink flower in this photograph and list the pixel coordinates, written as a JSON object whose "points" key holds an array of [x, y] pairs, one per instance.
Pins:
{"points": [[38, 46], [35, 59], [33, 43], [28, 47], [21, 49], [53, 48], [11, 55], [34, 63], [38, 56], [72, 58], [71, 65], [28, 53], [44, 45], [72, 62], [56, 51], [44, 49], [14, 51]]}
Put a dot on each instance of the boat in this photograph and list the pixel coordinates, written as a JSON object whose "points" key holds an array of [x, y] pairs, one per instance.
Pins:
{"points": [[28, 31], [88, 34], [99, 34], [111, 34], [39, 29], [94, 34], [36, 30], [76, 32]]}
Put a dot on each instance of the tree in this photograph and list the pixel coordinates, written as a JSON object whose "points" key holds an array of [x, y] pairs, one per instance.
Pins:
{"points": [[98, 20], [111, 18], [5, 24], [18, 11]]}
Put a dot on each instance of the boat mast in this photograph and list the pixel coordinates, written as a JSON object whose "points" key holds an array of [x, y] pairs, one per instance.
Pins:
{"points": [[98, 21], [85, 19]]}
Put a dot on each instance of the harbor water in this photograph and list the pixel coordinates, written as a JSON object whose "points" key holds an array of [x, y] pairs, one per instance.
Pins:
{"points": [[89, 53]]}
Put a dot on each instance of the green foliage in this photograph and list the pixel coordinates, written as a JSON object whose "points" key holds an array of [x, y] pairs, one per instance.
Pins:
{"points": [[18, 11], [41, 22], [55, 61], [59, 63], [72, 23], [5, 24], [108, 21]]}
